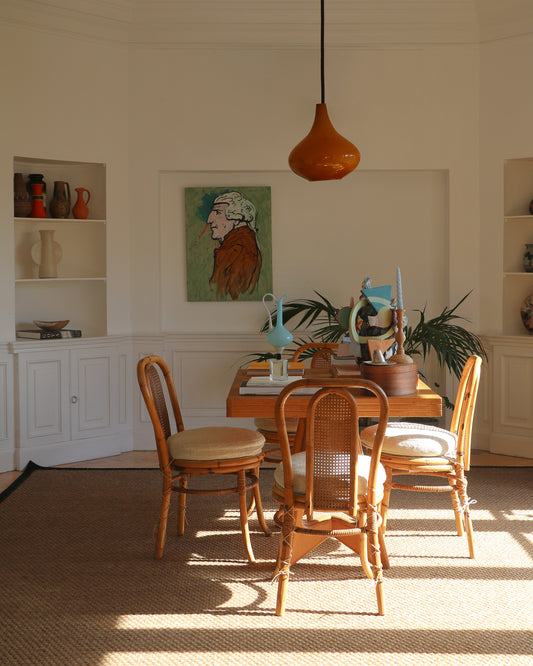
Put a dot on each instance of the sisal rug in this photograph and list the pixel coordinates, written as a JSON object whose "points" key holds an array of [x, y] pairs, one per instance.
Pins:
{"points": [[79, 584]]}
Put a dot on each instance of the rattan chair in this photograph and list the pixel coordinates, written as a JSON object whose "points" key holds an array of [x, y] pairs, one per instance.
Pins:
{"points": [[321, 354], [331, 489], [424, 450], [198, 451]]}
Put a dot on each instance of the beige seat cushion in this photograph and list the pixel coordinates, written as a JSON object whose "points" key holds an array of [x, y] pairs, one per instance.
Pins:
{"points": [[413, 440], [363, 468], [215, 443], [269, 425]]}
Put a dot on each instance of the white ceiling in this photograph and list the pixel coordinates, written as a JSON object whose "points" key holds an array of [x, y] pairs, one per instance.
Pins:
{"points": [[278, 23]]}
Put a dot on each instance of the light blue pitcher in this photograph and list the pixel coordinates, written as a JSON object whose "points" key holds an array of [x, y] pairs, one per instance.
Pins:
{"points": [[278, 336]]}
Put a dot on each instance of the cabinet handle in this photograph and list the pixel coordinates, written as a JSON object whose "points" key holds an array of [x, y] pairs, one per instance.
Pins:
{"points": [[74, 399]]}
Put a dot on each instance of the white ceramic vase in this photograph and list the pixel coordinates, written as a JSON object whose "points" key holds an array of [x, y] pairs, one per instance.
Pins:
{"points": [[47, 254]]}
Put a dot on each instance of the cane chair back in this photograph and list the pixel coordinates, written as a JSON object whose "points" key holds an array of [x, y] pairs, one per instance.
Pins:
{"points": [[331, 489], [184, 453], [321, 354], [422, 450]]}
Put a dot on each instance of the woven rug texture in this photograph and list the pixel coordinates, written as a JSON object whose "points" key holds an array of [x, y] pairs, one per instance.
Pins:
{"points": [[79, 584]]}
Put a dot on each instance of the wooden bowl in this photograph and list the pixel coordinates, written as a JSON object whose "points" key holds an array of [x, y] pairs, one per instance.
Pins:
{"points": [[51, 325]]}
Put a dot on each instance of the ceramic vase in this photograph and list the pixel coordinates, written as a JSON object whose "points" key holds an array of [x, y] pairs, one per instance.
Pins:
{"points": [[80, 210], [37, 179], [278, 336], [60, 203], [22, 199], [47, 254], [526, 312], [527, 260], [37, 201]]}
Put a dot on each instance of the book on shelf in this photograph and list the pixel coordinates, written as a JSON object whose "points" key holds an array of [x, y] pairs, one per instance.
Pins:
{"points": [[49, 335], [265, 386]]}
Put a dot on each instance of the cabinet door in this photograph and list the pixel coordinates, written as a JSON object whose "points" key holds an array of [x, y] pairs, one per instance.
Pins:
{"points": [[43, 398], [94, 399]]}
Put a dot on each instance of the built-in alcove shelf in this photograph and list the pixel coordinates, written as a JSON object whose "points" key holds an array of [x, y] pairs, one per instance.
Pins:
{"points": [[517, 232], [79, 292]]}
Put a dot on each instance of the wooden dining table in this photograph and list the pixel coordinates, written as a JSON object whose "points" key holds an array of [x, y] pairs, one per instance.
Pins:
{"points": [[422, 403]]}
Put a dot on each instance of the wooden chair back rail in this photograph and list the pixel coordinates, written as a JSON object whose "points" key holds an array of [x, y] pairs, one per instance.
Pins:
{"points": [[463, 413], [321, 358]]}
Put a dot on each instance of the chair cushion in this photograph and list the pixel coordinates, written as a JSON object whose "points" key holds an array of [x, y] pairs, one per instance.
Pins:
{"points": [[269, 425], [363, 469], [215, 443], [413, 440]]}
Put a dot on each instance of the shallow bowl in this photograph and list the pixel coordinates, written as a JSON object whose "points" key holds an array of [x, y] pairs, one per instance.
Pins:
{"points": [[51, 325]]}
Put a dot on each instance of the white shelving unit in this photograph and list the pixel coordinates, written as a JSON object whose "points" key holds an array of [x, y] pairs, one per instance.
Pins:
{"points": [[79, 291], [517, 231]]}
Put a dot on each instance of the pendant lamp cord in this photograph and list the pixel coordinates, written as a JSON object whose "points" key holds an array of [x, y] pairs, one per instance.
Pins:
{"points": [[322, 82]]}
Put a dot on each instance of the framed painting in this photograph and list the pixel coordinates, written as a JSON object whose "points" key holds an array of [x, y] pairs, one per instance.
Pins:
{"points": [[229, 243]]}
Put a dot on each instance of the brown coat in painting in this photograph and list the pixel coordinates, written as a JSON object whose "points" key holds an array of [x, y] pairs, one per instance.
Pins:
{"points": [[237, 263]]}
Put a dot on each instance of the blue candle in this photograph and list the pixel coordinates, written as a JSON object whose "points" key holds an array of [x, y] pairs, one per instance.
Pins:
{"points": [[399, 295]]}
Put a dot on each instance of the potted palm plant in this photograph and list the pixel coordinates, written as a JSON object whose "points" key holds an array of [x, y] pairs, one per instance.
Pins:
{"points": [[442, 336]]}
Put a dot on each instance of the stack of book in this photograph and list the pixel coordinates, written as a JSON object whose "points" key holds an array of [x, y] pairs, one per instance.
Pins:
{"points": [[49, 335], [263, 368], [261, 385]]}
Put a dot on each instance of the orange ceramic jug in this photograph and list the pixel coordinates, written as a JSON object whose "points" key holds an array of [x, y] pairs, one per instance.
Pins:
{"points": [[80, 209]]}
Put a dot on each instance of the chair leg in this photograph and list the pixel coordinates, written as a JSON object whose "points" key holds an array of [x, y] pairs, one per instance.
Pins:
{"points": [[256, 495], [182, 499], [373, 530], [243, 510], [284, 559], [465, 507], [363, 555], [162, 524], [384, 507], [383, 549], [456, 504]]}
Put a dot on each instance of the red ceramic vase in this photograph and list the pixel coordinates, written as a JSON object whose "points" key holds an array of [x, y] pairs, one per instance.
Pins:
{"points": [[37, 203]]}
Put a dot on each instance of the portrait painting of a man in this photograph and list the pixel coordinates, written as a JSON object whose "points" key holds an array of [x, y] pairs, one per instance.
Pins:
{"points": [[229, 249]]}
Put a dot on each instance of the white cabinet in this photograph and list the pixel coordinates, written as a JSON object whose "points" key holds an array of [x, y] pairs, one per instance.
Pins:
{"points": [[517, 231], [78, 293], [7, 429], [504, 413], [73, 400]]}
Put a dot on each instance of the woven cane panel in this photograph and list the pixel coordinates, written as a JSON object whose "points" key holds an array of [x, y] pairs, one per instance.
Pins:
{"points": [[333, 428], [159, 398]]}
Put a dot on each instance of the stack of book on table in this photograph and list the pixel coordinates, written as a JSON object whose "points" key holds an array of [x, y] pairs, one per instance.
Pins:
{"points": [[49, 335], [263, 368], [344, 366], [263, 385]]}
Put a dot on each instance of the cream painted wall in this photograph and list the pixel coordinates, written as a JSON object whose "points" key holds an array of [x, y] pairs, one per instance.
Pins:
{"points": [[64, 98], [144, 111], [241, 110], [506, 102]]}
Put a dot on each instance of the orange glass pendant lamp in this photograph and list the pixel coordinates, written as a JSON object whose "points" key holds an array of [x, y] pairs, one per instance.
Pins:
{"points": [[323, 154]]}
